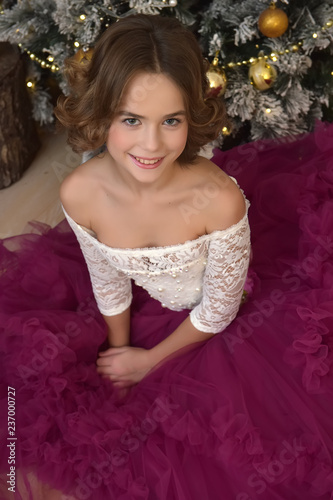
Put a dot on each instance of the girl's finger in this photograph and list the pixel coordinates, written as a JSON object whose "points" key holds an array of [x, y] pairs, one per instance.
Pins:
{"points": [[112, 350], [103, 362], [105, 370], [108, 352], [122, 383]]}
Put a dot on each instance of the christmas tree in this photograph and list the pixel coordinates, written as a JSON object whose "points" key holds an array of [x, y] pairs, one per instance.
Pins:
{"points": [[271, 61], [49, 31]]}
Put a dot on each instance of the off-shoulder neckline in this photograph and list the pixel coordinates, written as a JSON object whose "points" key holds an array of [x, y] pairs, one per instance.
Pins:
{"points": [[229, 229]]}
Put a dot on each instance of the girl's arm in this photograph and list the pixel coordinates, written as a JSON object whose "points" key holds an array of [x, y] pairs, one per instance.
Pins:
{"points": [[119, 328], [185, 335]]}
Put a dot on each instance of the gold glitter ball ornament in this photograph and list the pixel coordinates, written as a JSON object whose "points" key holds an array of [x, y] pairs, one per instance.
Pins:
{"points": [[83, 55], [262, 74], [273, 22], [217, 79]]}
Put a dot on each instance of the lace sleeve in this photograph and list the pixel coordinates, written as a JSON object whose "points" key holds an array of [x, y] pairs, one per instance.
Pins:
{"points": [[224, 278], [111, 287]]}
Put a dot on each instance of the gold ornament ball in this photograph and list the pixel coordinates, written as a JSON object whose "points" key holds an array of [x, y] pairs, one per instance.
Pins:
{"points": [[217, 81], [273, 22], [83, 56], [262, 75]]}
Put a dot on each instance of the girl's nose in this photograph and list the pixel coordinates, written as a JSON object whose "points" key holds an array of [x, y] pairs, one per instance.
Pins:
{"points": [[152, 139]]}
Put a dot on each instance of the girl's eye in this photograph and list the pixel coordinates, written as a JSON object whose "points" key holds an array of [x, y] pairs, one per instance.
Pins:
{"points": [[172, 122], [131, 121]]}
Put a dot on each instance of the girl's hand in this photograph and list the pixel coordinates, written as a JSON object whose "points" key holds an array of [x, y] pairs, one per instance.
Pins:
{"points": [[125, 366]]}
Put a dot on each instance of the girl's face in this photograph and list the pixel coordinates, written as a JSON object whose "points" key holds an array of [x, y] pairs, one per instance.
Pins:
{"points": [[149, 131]]}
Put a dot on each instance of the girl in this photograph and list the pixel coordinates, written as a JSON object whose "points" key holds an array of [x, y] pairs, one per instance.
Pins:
{"points": [[135, 195], [193, 397]]}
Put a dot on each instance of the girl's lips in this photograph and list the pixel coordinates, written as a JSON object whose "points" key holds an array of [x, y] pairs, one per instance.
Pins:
{"points": [[147, 166]]}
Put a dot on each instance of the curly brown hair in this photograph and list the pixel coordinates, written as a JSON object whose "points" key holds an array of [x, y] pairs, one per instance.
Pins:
{"points": [[138, 43]]}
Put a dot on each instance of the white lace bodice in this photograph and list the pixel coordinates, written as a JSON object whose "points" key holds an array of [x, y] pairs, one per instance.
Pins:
{"points": [[206, 275]]}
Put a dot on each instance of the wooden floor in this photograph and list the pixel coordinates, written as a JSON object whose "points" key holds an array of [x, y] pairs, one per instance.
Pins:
{"points": [[36, 195]]}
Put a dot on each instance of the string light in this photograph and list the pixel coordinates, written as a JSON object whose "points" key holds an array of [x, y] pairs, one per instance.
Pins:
{"points": [[44, 64], [268, 110], [50, 59], [274, 56]]}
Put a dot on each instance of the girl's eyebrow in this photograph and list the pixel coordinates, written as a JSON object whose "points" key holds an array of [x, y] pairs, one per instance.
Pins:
{"points": [[134, 115]]}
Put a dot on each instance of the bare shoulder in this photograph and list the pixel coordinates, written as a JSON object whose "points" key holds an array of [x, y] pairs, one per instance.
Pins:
{"points": [[78, 190], [225, 201]]}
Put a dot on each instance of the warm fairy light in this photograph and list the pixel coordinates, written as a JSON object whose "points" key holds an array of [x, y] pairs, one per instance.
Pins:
{"points": [[30, 84], [43, 64], [49, 62], [268, 110], [273, 56]]}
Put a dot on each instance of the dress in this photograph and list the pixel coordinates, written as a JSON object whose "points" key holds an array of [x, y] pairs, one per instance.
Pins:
{"points": [[245, 415]]}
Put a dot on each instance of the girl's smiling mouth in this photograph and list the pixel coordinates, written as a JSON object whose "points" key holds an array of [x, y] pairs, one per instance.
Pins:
{"points": [[147, 163]]}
